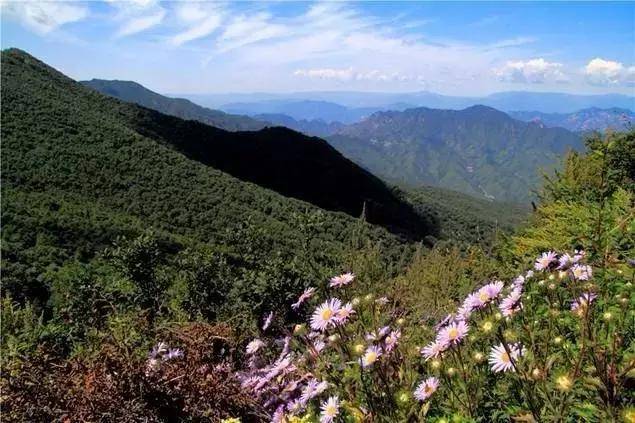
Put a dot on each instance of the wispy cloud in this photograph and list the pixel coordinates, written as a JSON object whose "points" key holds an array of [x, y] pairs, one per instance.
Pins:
{"points": [[136, 16], [200, 20], [44, 17]]}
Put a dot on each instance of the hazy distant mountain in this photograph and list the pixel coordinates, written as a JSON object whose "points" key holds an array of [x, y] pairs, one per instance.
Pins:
{"points": [[478, 150], [135, 93], [314, 127], [302, 110], [506, 101], [583, 120]]}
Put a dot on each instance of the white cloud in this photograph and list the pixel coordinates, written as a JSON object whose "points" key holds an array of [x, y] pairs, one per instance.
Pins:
{"points": [[534, 71], [135, 16], [201, 19], [326, 73], [139, 24], [607, 72], [349, 74], [44, 17]]}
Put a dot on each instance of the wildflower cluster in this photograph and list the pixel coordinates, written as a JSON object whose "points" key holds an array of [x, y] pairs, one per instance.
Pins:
{"points": [[346, 361], [507, 346], [551, 330]]}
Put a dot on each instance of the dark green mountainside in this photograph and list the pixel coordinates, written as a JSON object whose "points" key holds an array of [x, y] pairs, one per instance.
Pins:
{"points": [[81, 169], [135, 93], [479, 150]]}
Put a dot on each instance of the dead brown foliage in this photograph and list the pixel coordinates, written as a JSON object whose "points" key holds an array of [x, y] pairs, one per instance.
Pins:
{"points": [[116, 385]]}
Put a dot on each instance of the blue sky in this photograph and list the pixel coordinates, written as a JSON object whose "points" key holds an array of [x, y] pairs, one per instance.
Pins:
{"points": [[452, 48]]}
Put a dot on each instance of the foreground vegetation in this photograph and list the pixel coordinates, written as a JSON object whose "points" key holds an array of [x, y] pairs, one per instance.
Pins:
{"points": [[142, 285], [553, 341]]}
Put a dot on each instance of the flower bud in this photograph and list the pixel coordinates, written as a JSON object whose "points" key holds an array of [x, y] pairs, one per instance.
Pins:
{"points": [[451, 371], [509, 335], [498, 316], [401, 321], [552, 277], [369, 297], [557, 340], [359, 348], [551, 286], [541, 283], [403, 397], [536, 373], [624, 301], [564, 383], [355, 301], [436, 364], [562, 274], [487, 326], [619, 271], [334, 338], [607, 316], [478, 357], [299, 329]]}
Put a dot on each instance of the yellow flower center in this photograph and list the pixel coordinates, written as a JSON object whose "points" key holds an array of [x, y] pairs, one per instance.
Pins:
{"points": [[327, 314], [483, 296], [505, 357], [330, 410], [453, 333], [371, 357], [427, 389]]}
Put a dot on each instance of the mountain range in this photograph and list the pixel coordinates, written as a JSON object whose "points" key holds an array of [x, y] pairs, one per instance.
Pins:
{"points": [[545, 102], [136, 93], [478, 150], [592, 119]]}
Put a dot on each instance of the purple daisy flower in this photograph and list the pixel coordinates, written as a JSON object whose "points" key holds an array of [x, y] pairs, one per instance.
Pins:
{"points": [[426, 388], [341, 280], [326, 314], [582, 272], [432, 350], [452, 334], [511, 303], [545, 260], [582, 302], [308, 293], [500, 360], [371, 355]]}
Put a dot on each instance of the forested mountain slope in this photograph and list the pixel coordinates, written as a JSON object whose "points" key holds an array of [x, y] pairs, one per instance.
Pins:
{"points": [[136, 93], [277, 158], [81, 169], [478, 150]]}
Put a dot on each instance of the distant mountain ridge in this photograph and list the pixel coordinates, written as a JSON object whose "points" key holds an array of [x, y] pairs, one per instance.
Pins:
{"points": [[506, 101], [313, 127], [136, 93], [479, 150], [303, 110], [592, 119]]}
